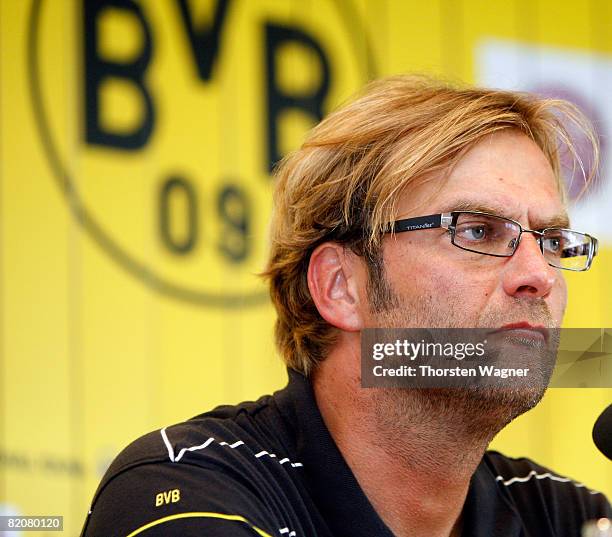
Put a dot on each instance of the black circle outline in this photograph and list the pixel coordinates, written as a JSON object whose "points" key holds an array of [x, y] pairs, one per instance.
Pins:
{"points": [[91, 226]]}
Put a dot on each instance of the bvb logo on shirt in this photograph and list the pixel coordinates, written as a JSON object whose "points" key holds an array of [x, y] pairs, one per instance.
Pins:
{"points": [[161, 121]]}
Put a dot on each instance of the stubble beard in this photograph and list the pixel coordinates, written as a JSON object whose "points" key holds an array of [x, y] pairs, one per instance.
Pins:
{"points": [[470, 414]]}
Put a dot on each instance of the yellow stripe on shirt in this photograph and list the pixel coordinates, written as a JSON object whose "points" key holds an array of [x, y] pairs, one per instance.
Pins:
{"points": [[196, 514]]}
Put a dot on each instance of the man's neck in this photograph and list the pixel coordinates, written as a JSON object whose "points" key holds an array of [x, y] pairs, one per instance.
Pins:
{"points": [[415, 470]]}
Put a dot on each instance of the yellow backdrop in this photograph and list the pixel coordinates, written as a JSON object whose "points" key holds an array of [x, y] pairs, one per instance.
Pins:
{"points": [[136, 142]]}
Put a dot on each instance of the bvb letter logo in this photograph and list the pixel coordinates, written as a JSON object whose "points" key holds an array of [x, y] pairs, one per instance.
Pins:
{"points": [[162, 119]]}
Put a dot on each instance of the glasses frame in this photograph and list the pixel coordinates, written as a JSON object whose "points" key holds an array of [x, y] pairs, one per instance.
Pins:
{"points": [[448, 221]]}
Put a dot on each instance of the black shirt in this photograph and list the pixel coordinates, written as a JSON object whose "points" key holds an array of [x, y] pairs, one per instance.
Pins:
{"points": [[271, 468]]}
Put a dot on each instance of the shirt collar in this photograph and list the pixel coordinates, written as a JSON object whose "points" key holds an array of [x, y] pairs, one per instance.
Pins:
{"points": [[488, 511], [334, 488]]}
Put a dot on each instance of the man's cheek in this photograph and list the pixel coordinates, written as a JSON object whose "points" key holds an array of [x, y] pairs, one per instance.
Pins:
{"points": [[451, 283], [559, 299]]}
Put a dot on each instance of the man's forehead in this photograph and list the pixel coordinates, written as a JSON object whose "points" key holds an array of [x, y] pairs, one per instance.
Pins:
{"points": [[505, 173]]}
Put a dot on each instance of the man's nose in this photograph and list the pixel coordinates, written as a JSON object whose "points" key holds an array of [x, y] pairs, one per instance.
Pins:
{"points": [[527, 273]]}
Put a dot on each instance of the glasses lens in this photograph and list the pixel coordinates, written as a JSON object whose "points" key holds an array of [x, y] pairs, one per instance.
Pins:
{"points": [[567, 249], [486, 234]]}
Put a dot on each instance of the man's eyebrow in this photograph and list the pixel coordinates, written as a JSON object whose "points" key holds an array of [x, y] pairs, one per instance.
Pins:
{"points": [[488, 207], [558, 220]]}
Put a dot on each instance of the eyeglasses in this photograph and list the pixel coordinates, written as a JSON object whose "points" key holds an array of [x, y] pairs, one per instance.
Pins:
{"points": [[489, 234]]}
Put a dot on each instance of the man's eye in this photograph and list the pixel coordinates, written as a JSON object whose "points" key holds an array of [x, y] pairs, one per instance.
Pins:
{"points": [[473, 232], [554, 244]]}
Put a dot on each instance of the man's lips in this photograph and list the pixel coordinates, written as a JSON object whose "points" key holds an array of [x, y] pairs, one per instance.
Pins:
{"points": [[525, 329]]}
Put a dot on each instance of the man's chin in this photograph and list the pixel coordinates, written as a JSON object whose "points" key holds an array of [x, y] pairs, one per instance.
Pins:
{"points": [[485, 409]]}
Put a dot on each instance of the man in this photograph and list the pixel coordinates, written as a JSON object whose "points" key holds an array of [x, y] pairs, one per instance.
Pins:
{"points": [[325, 457]]}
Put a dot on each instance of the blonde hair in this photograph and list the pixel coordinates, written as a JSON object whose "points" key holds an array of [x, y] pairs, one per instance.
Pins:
{"points": [[344, 182]]}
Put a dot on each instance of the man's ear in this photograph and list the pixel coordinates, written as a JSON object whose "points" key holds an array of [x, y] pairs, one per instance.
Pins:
{"points": [[334, 274]]}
